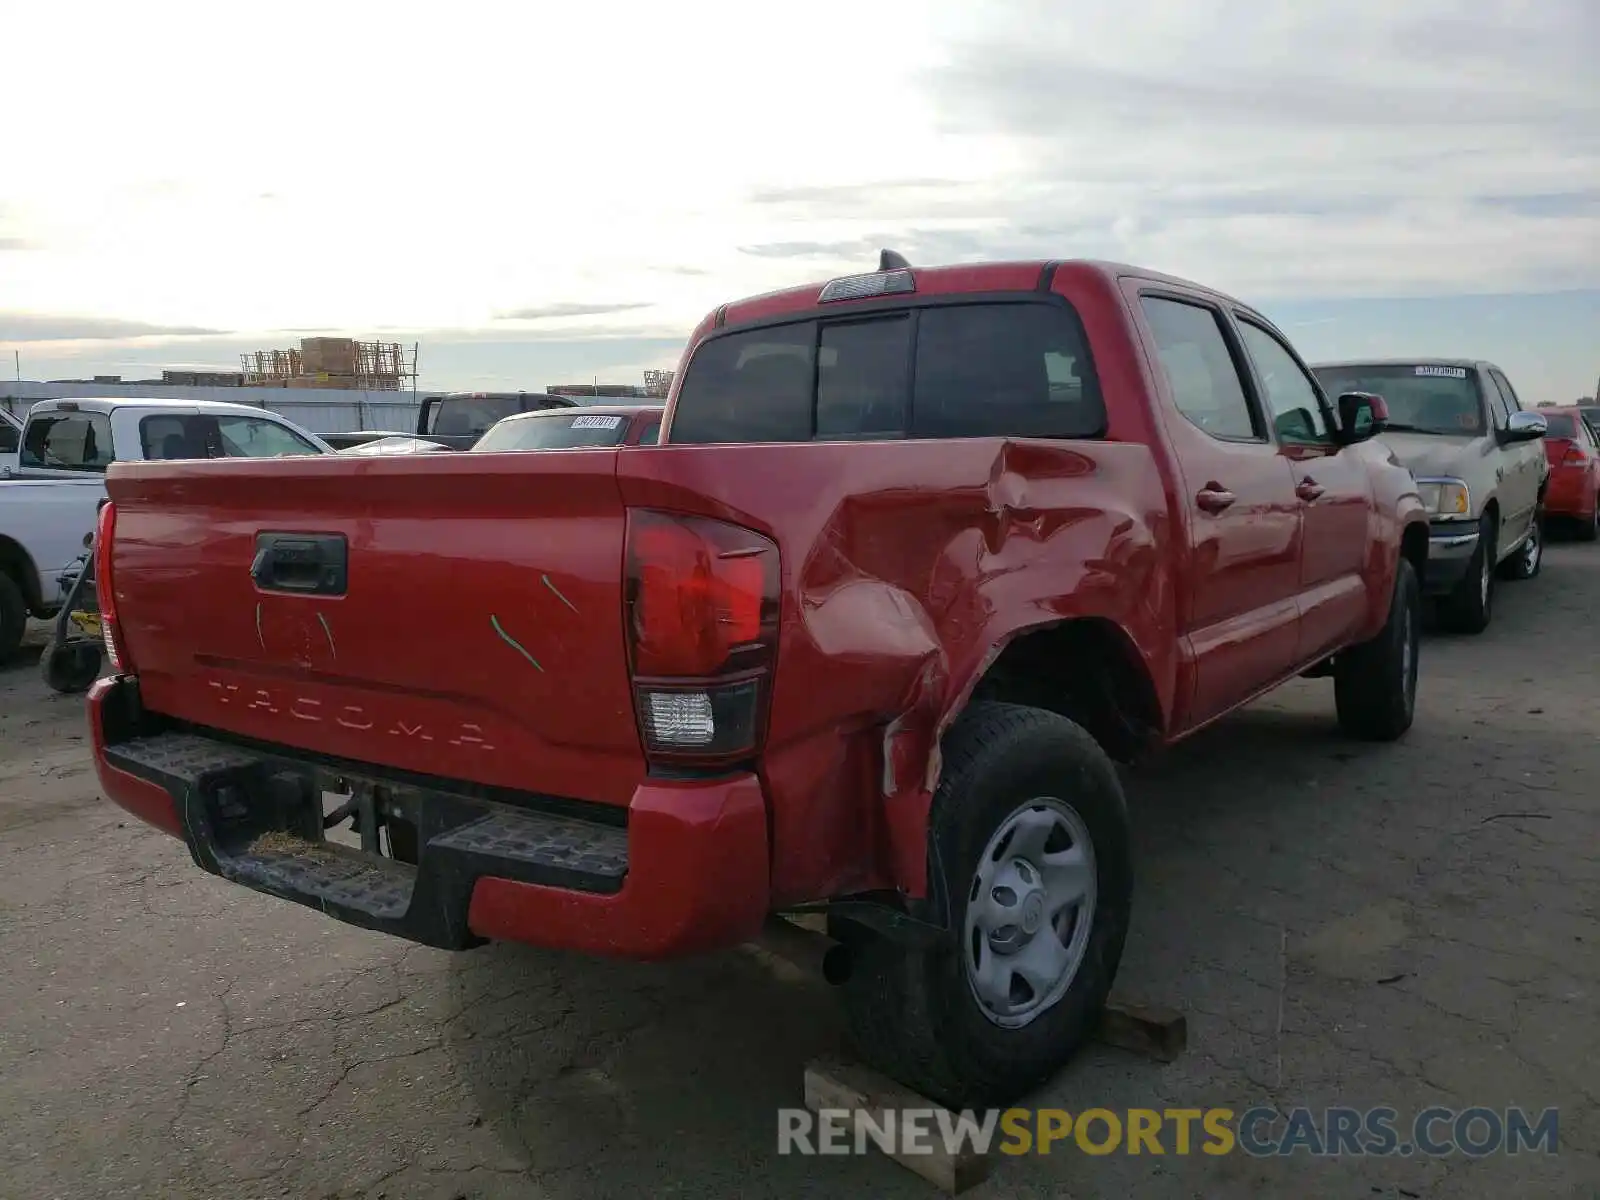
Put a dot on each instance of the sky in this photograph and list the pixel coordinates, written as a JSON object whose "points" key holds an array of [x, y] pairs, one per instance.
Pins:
{"points": [[540, 194]]}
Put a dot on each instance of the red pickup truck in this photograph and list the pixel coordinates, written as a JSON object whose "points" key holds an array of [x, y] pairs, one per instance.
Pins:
{"points": [[921, 552]]}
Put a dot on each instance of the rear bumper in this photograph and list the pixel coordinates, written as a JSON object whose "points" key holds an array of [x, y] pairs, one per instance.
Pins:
{"points": [[686, 873], [1567, 495]]}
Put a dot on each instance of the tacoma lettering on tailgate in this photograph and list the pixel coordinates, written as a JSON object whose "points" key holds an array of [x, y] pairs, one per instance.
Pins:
{"points": [[347, 716]]}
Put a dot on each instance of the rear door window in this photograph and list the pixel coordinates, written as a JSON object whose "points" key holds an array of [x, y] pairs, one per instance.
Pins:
{"points": [[203, 435], [9, 436], [67, 441], [1004, 370]]}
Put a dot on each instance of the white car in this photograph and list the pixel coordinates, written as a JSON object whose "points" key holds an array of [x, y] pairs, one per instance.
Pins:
{"points": [[49, 504], [10, 438]]}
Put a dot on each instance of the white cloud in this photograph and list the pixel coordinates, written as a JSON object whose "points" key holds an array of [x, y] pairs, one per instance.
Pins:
{"points": [[356, 167]]}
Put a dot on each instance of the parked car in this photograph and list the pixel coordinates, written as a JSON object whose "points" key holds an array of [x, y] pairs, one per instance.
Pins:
{"points": [[1479, 463], [361, 437], [571, 429], [47, 509], [919, 553], [397, 444], [460, 418], [1573, 452], [10, 437], [1591, 414]]}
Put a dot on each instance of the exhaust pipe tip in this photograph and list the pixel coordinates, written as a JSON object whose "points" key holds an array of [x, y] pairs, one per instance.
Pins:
{"points": [[838, 963]]}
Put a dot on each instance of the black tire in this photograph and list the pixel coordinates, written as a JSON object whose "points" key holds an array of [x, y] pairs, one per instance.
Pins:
{"points": [[1529, 558], [1469, 607], [1589, 530], [70, 667], [13, 616], [1375, 683], [913, 1013]]}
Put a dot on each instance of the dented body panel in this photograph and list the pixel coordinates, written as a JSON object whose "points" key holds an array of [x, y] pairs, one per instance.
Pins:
{"points": [[483, 635]]}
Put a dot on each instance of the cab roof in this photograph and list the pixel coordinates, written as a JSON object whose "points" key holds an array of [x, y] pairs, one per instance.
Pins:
{"points": [[107, 404], [1024, 275], [1470, 364]]}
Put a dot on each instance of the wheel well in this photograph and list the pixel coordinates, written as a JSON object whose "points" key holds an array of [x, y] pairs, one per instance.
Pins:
{"points": [[14, 561], [1088, 671]]}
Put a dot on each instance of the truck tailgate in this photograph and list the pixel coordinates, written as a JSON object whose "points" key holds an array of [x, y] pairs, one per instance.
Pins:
{"points": [[476, 634]]}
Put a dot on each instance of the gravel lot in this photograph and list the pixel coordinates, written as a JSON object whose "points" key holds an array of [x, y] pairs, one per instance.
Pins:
{"points": [[1405, 925]]}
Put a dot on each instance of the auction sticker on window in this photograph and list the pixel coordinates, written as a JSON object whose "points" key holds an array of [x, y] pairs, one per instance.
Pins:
{"points": [[596, 421], [1444, 372]]}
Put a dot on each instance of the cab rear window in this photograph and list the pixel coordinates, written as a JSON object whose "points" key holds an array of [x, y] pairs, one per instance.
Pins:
{"points": [[1017, 369]]}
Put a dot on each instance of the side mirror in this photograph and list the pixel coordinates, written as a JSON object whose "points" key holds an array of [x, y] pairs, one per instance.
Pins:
{"points": [[1362, 415], [1525, 427]]}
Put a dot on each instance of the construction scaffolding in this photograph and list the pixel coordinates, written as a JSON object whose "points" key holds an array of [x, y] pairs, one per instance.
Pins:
{"points": [[657, 384], [334, 363]]}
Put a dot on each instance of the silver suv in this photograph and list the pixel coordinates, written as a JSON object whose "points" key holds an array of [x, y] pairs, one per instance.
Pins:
{"points": [[1480, 465]]}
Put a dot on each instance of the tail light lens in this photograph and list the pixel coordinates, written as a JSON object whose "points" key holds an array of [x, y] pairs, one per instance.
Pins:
{"points": [[1575, 456], [105, 593], [702, 612]]}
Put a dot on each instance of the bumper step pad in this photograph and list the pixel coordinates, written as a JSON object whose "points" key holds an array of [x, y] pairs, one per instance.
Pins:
{"points": [[246, 816]]}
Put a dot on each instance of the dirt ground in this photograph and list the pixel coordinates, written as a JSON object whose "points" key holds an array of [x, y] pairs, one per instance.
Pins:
{"points": [[1344, 925]]}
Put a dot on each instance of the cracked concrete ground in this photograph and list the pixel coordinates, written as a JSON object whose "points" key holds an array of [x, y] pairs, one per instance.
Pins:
{"points": [[1343, 924]]}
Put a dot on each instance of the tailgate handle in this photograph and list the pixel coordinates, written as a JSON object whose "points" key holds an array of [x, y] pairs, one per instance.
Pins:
{"points": [[312, 564]]}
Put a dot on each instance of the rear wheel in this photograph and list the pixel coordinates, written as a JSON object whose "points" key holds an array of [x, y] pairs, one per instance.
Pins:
{"points": [[1589, 530], [1375, 683], [13, 616], [1029, 841], [1469, 607], [70, 667]]}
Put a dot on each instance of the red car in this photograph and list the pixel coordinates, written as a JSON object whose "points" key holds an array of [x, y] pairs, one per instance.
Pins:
{"points": [[919, 553], [1574, 492]]}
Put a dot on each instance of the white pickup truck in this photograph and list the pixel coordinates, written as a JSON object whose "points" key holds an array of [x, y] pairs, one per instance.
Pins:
{"points": [[49, 503]]}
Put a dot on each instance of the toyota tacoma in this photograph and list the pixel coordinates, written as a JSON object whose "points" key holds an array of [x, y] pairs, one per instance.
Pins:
{"points": [[921, 552]]}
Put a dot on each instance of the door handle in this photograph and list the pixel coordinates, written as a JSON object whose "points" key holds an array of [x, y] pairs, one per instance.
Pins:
{"points": [[1308, 489], [1213, 498]]}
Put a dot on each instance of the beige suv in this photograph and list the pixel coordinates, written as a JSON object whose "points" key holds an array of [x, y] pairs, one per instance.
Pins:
{"points": [[1480, 465]]}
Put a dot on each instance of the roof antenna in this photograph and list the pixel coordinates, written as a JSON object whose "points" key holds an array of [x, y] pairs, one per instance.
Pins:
{"points": [[888, 260]]}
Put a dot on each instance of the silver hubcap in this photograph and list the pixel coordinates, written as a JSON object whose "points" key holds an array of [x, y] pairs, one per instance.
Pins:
{"points": [[1530, 552], [1483, 579], [1029, 912]]}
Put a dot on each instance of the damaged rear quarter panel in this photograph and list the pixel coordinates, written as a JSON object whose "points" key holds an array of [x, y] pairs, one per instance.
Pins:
{"points": [[906, 567]]}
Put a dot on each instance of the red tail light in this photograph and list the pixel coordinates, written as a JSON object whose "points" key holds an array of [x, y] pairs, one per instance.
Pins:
{"points": [[702, 611], [1575, 456], [105, 594]]}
